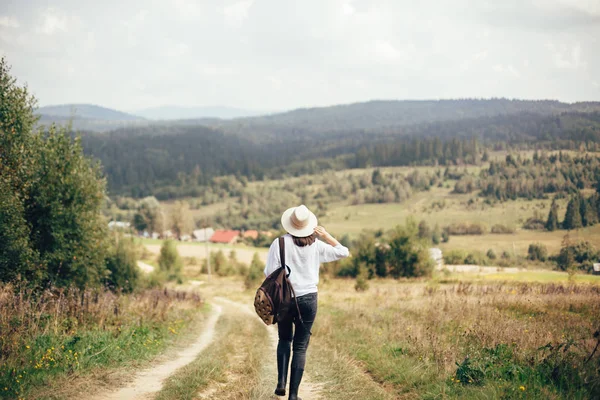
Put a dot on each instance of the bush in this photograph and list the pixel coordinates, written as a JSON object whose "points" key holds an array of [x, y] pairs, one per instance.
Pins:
{"points": [[463, 228], [534, 224], [500, 229], [362, 284], [121, 262], [169, 261], [255, 273], [537, 252], [491, 254], [454, 257], [408, 257], [579, 256]]}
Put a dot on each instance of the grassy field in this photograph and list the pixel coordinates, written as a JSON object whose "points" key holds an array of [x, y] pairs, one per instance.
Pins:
{"points": [[467, 336], [438, 206], [493, 340], [67, 344]]}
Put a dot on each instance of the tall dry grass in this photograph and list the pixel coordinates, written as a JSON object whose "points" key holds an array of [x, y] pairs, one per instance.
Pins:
{"points": [[469, 340], [53, 333]]}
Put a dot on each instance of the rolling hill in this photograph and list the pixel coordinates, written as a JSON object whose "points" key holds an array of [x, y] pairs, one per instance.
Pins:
{"points": [[85, 111], [179, 112]]}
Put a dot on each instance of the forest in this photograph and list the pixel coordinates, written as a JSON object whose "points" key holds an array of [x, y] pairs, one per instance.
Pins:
{"points": [[172, 161]]}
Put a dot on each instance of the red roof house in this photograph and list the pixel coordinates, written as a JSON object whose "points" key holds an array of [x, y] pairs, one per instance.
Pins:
{"points": [[252, 234], [225, 236]]}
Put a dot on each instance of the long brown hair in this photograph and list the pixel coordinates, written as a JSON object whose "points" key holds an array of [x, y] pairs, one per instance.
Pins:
{"points": [[304, 241]]}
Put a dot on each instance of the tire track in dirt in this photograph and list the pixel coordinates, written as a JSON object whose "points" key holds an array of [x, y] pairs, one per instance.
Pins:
{"points": [[151, 380], [308, 389]]}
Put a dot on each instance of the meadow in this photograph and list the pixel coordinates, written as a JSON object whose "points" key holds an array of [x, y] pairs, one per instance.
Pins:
{"points": [[60, 343], [452, 337]]}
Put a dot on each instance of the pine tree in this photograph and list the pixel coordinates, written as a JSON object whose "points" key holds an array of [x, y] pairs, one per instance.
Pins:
{"points": [[590, 213], [573, 215], [552, 222]]}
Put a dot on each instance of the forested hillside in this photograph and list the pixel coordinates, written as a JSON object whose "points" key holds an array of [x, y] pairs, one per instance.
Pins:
{"points": [[141, 161]]}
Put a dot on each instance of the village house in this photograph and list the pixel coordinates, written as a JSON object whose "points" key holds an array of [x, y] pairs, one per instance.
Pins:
{"points": [[203, 235], [250, 234], [225, 236]]}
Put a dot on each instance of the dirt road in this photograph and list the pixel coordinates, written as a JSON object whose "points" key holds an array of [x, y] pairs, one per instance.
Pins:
{"points": [[150, 381]]}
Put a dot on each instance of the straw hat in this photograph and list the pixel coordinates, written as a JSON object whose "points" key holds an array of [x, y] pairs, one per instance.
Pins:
{"points": [[299, 221]]}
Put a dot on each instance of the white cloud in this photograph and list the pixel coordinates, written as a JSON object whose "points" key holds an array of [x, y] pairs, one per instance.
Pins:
{"points": [[567, 57], [187, 9], [53, 22], [300, 53], [385, 51], [507, 70], [236, 13], [9, 22], [348, 9]]}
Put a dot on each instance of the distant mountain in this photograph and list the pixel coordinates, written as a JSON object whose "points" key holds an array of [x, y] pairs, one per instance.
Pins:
{"points": [[178, 112], [85, 111]]}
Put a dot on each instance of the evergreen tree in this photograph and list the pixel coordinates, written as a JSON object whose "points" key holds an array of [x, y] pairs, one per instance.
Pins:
{"points": [[424, 230], [552, 222], [589, 213], [436, 236], [573, 215]]}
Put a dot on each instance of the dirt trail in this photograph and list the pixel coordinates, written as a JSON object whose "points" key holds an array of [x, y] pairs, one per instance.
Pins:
{"points": [[151, 380], [308, 389]]}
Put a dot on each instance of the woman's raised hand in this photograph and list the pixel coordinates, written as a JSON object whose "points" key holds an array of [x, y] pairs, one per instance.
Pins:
{"points": [[320, 231]]}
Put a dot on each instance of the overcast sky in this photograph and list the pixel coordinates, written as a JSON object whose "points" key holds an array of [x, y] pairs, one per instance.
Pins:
{"points": [[281, 54]]}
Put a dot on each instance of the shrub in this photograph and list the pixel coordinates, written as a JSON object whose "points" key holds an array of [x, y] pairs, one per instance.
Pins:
{"points": [[121, 262], [424, 230], [463, 228], [255, 273], [445, 235], [491, 254], [408, 257], [500, 229], [362, 284], [454, 257], [169, 261], [534, 224], [579, 256], [537, 252], [436, 236]]}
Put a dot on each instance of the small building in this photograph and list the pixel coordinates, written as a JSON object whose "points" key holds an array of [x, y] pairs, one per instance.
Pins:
{"points": [[250, 234], [118, 225], [167, 234], [185, 238], [225, 236], [202, 235], [155, 235], [436, 255], [596, 269]]}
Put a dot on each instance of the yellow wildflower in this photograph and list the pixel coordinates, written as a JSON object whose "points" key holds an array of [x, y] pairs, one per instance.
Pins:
{"points": [[522, 388]]}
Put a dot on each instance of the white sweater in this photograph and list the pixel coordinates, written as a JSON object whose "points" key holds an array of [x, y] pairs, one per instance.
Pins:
{"points": [[304, 262]]}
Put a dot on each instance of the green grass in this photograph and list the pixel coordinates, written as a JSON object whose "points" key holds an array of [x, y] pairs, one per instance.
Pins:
{"points": [[229, 368], [77, 354], [413, 338]]}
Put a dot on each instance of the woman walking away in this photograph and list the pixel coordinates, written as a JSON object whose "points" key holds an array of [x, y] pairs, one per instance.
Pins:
{"points": [[303, 255]]}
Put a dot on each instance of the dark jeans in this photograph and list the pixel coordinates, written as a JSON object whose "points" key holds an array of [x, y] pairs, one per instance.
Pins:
{"points": [[308, 309]]}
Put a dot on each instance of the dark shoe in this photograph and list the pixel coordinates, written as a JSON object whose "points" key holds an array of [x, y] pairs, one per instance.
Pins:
{"points": [[283, 364], [295, 379]]}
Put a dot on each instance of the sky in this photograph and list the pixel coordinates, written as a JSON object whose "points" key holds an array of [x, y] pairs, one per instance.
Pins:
{"points": [[283, 54]]}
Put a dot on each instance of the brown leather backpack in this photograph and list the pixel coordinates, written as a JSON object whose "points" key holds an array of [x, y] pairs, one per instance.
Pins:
{"points": [[275, 297]]}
